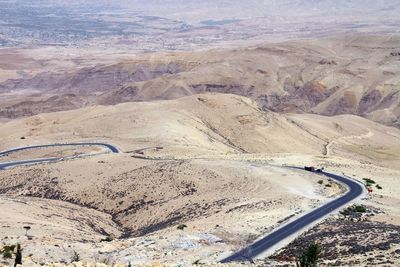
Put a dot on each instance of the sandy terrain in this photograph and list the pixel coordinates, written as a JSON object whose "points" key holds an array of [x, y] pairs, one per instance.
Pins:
{"points": [[143, 197], [343, 75], [20, 63], [52, 152], [214, 164], [212, 124], [211, 104]]}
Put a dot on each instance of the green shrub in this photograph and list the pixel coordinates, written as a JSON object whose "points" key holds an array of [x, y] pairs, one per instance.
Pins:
{"points": [[360, 208], [106, 239], [310, 256], [7, 255], [7, 251], [8, 248], [379, 187], [75, 257], [181, 227], [320, 181], [369, 181]]}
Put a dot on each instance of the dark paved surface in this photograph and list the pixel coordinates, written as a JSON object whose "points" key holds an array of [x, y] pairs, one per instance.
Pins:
{"points": [[5, 165], [259, 247]]}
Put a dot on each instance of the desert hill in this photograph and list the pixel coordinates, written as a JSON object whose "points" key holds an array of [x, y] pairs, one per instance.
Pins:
{"points": [[205, 123], [347, 75], [213, 164], [181, 133], [130, 197]]}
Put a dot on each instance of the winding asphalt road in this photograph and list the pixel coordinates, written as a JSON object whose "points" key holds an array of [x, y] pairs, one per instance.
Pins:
{"points": [[259, 247], [263, 245], [6, 165]]}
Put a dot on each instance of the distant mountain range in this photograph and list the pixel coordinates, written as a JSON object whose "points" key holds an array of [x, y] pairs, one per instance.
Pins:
{"points": [[348, 75]]}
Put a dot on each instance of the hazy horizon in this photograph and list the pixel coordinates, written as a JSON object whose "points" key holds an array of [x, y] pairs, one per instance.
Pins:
{"points": [[186, 25]]}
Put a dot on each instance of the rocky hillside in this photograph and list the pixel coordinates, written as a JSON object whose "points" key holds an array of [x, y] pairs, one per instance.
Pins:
{"points": [[212, 162], [358, 75], [207, 123]]}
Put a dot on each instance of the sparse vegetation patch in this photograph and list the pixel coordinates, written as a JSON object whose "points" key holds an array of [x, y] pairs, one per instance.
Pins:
{"points": [[181, 227], [106, 239], [75, 257], [369, 182], [356, 208], [310, 256], [7, 251]]}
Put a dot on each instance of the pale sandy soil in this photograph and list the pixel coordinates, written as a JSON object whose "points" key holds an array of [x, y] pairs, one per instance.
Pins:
{"points": [[52, 152], [215, 165], [51, 220], [245, 200], [343, 75], [18, 63], [211, 123]]}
